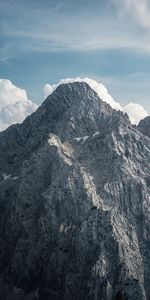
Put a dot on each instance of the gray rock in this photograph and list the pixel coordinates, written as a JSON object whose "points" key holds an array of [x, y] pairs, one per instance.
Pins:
{"points": [[1, 177], [75, 210], [144, 126]]}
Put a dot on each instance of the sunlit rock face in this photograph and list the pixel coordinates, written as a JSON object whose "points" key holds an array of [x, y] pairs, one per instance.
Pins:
{"points": [[144, 126], [75, 202]]}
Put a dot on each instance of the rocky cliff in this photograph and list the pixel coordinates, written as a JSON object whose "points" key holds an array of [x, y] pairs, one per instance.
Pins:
{"points": [[75, 202], [144, 126]]}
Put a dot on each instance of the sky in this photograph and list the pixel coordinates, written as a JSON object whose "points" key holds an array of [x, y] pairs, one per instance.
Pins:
{"points": [[44, 41]]}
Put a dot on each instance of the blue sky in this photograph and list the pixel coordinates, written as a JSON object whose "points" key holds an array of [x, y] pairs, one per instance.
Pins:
{"points": [[44, 41]]}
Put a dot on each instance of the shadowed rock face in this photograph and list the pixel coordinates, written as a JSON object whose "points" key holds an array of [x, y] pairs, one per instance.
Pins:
{"points": [[74, 202], [144, 126]]}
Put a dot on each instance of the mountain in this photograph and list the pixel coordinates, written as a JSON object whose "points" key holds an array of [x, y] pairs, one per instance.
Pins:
{"points": [[144, 126], [75, 202]]}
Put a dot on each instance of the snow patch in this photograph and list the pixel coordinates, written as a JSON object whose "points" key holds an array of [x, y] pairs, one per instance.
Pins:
{"points": [[14, 178], [78, 139], [5, 177], [83, 139], [96, 133]]}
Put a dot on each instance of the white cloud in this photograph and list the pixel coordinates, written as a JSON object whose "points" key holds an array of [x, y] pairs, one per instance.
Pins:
{"points": [[14, 104], [98, 87], [135, 111], [48, 89]]}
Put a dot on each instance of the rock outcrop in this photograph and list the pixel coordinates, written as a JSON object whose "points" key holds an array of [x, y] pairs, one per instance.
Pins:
{"points": [[75, 202], [144, 126]]}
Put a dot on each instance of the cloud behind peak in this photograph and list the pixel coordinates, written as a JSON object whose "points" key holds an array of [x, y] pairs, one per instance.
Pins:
{"points": [[135, 111], [14, 104]]}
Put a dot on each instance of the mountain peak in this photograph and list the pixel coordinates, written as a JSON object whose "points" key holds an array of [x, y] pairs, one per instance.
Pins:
{"points": [[76, 109], [72, 110], [77, 91], [99, 88], [74, 201]]}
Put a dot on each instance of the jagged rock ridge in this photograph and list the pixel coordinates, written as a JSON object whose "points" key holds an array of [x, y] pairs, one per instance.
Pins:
{"points": [[75, 202]]}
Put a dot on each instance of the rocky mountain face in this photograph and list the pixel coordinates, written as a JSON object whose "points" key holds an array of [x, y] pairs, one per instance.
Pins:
{"points": [[74, 202], [144, 126]]}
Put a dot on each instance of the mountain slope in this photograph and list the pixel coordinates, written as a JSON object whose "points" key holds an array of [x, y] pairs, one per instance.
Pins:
{"points": [[144, 126], [74, 201]]}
